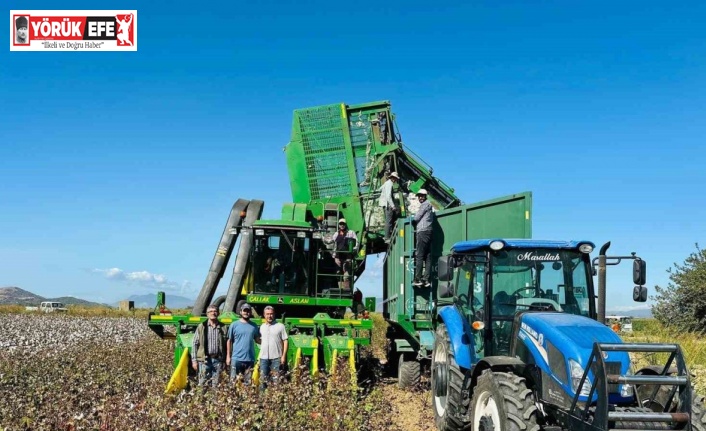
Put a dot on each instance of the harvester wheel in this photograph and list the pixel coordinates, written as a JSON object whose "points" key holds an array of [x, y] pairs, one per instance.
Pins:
{"points": [[446, 383], [502, 402], [408, 372]]}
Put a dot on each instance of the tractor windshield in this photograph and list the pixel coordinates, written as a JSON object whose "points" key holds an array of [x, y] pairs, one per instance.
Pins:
{"points": [[281, 262], [539, 279], [493, 287]]}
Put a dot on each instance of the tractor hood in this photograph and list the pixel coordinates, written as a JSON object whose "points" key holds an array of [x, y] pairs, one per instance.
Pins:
{"points": [[578, 331], [550, 340]]}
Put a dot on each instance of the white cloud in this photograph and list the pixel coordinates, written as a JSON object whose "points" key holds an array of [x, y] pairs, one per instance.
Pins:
{"points": [[145, 279]]}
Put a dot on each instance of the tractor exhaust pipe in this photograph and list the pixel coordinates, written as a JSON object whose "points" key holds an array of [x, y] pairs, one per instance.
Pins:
{"points": [[602, 259]]}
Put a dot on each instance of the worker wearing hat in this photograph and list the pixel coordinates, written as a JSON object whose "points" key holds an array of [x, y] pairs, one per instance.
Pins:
{"points": [[346, 243], [387, 202], [423, 222], [242, 336], [21, 34]]}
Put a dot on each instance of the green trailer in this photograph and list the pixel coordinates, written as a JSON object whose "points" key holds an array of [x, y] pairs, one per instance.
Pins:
{"points": [[411, 310]]}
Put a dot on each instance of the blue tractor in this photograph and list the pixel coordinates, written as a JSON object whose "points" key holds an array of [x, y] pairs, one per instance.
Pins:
{"points": [[518, 346]]}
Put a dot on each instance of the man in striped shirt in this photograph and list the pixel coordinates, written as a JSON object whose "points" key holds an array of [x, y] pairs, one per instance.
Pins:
{"points": [[209, 348]]}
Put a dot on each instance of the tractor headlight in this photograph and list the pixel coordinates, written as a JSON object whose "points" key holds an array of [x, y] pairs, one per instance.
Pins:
{"points": [[576, 373], [316, 235], [626, 391], [585, 248], [259, 232]]}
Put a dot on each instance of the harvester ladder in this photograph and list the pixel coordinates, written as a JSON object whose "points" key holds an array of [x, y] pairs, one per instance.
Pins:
{"points": [[605, 416]]}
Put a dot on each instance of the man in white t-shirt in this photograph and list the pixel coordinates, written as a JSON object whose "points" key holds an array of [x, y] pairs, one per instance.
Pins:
{"points": [[273, 347]]}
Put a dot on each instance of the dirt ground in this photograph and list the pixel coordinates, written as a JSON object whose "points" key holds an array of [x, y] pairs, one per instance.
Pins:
{"points": [[412, 407]]}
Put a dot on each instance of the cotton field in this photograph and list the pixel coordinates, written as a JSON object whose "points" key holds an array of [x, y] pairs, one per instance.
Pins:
{"points": [[64, 372]]}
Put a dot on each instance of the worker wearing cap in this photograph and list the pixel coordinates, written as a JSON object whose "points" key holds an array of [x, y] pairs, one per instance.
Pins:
{"points": [[346, 243], [423, 222], [21, 35], [387, 202], [242, 335], [208, 349]]}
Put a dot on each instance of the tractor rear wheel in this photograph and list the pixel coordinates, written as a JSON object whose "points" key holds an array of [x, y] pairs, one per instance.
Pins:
{"points": [[446, 383], [408, 372], [502, 402]]}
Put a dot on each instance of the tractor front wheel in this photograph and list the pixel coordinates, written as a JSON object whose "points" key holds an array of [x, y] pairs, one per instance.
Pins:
{"points": [[446, 383], [502, 402]]}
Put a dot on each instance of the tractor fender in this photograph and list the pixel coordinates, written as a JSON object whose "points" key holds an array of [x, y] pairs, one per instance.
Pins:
{"points": [[459, 330], [497, 363]]}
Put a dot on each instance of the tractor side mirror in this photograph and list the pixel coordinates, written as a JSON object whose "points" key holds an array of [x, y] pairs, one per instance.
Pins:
{"points": [[445, 290], [445, 271], [639, 271], [639, 294]]}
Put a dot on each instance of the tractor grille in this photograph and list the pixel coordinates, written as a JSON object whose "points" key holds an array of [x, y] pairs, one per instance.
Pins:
{"points": [[557, 363]]}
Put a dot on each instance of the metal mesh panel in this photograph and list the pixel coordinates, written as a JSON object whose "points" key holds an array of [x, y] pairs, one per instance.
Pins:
{"points": [[322, 139]]}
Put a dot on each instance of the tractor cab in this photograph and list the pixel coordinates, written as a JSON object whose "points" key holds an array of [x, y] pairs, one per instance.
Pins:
{"points": [[490, 281], [294, 267], [283, 260]]}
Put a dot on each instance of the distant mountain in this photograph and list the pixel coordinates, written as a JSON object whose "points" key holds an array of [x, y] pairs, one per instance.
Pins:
{"points": [[150, 300], [16, 296], [640, 312]]}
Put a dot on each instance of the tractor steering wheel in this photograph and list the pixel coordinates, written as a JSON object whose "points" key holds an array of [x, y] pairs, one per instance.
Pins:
{"points": [[517, 295]]}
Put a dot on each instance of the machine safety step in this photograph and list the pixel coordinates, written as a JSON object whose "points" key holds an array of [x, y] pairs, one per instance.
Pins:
{"points": [[648, 417], [639, 347], [648, 380]]}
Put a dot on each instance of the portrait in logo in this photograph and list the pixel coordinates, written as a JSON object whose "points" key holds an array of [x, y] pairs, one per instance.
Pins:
{"points": [[124, 23], [22, 30]]}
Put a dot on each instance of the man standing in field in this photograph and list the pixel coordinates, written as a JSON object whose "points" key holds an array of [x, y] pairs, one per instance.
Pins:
{"points": [[241, 351], [209, 348], [273, 350]]}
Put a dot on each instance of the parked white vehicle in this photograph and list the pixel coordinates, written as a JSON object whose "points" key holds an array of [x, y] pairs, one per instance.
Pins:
{"points": [[619, 323], [52, 307]]}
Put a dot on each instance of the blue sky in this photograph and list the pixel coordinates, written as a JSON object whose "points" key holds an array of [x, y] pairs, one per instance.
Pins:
{"points": [[133, 160]]}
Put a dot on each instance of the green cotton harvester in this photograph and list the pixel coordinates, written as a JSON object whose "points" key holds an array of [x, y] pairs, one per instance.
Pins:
{"points": [[338, 158]]}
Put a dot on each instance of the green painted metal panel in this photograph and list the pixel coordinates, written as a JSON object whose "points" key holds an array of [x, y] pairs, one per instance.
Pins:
{"points": [[299, 212], [298, 300], [296, 165], [288, 212], [286, 224], [412, 307], [183, 341]]}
